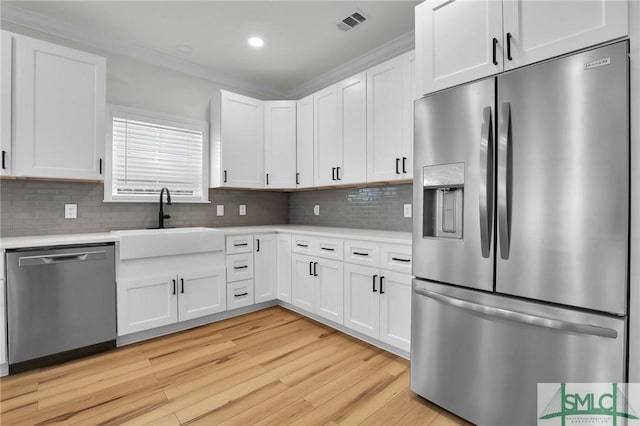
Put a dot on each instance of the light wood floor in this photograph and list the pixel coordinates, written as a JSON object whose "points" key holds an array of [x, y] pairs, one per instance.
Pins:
{"points": [[268, 367]]}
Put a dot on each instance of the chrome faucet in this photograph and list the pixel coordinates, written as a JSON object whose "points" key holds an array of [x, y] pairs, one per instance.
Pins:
{"points": [[161, 215]]}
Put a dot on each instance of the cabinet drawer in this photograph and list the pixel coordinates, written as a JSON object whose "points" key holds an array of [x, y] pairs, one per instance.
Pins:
{"points": [[330, 248], [239, 294], [304, 245], [239, 244], [362, 253], [396, 258], [239, 267]]}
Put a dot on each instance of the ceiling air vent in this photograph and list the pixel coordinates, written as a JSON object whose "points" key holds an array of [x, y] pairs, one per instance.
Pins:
{"points": [[353, 20]]}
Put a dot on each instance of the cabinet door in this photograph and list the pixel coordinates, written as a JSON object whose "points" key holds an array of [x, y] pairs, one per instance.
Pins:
{"points": [[242, 140], [352, 130], [361, 299], [537, 30], [329, 289], [455, 42], [395, 309], [325, 128], [284, 267], [202, 293], [59, 111], [265, 267], [302, 283], [304, 151], [6, 75], [280, 144], [409, 95], [384, 121], [147, 303]]}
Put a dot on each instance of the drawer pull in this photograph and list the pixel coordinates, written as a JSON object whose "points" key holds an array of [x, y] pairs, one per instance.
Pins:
{"points": [[302, 245], [241, 267], [397, 259], [241, 294], [357, 253], [240, 244], [327, 249]]}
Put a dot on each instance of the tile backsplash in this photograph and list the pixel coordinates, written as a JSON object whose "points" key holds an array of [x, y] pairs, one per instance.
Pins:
{"points": [[37, 208], [379, 207]]}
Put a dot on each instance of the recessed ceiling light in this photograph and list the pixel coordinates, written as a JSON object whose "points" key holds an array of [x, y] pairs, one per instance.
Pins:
{"points": [[256, 42], [184, 48]]}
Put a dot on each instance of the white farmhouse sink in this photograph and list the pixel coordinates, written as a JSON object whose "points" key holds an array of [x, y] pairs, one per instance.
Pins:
{"points": [[141, 243]]}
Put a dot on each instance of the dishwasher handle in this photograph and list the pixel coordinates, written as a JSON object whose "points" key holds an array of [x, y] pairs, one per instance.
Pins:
{"points": [[50, 259], [509, 315]]}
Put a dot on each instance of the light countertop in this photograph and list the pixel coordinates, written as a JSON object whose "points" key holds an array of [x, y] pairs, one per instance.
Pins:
{"points": [[392, 237]]}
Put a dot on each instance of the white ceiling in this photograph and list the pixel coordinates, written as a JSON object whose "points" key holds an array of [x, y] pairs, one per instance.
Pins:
{"points": [[301, 38]]}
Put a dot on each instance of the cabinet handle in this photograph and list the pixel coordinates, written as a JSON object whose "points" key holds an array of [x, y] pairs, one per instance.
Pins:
{"points": [[398, 259], [373, 283], [404, 164], [509, 47], [315, 269], [357, 253], [182, 285], [397, 166], [381, 281], [241, 294], [240, 244], [174, 286], [100, 164], [338, 173], [495, 51], [302, 245], [225, 176], [267, 178], [4, 160], [333, 173], [327, 249], [311, 268], [297, 178], [241, 267], [258, 244]]}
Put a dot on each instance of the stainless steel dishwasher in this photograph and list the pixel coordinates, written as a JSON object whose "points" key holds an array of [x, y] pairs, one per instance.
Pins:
{"points": [[61, 304]]}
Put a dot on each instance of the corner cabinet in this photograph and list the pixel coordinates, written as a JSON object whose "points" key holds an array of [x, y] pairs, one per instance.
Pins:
{"points": [[325, 136], [280, 144], [238, 157], [459, 41], [58, 111]]}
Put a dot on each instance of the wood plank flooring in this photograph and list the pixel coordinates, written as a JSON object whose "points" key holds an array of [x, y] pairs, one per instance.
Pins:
{"points": [[270, 367]]}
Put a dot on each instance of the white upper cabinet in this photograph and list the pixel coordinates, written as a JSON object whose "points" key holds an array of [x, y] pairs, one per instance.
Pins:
{"points": [[409, 95], [352, 130], [59, 111], [389, 113], [304, 143], [537, 30], [325, 129], [458, 41], [6, 64], [280, 144], [241, 158]]}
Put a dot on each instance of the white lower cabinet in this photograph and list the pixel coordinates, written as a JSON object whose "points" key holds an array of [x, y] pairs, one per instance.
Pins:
{"points": [[201, 293], [265, 265], [284, 267], [239, 294], [377, 303], [317, 286], [302, 286]]}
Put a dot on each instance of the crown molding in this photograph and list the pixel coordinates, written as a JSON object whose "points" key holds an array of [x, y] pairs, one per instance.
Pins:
{"points": [[37, 21], [380, 54]]}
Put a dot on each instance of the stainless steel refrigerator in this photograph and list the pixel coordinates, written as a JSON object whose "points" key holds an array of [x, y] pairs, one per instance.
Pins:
{"points": [[520, 235]]}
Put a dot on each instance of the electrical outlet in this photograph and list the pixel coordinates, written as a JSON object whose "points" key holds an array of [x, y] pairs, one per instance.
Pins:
{"points": [[70, 211], [316, 210], [407, 210], [243, 210], [220, 210]]}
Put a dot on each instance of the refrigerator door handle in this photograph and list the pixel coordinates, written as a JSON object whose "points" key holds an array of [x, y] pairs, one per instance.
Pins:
{"points": [[509, 315], [486, 181], [504, 179]]}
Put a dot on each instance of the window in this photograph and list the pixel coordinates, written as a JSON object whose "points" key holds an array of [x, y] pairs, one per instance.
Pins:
{"points": [[148, 152]]}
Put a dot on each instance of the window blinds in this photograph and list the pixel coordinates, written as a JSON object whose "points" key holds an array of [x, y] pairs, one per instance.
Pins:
{"points": [[148, 156]]}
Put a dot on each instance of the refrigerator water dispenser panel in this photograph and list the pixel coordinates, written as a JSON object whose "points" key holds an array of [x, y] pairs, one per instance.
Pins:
{"points": [[443, 200]]}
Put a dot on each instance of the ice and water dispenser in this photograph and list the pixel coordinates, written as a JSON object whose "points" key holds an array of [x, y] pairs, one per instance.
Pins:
{"points": [[443, 200]]}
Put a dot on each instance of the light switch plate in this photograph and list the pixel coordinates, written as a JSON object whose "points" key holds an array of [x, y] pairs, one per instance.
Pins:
{"points": [[220, 210], [243, 210], [70, 211], [407, 210], [316, 210]]}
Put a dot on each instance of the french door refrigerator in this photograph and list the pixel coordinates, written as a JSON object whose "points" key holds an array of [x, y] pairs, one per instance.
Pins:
{"points": [[520, 237]]}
